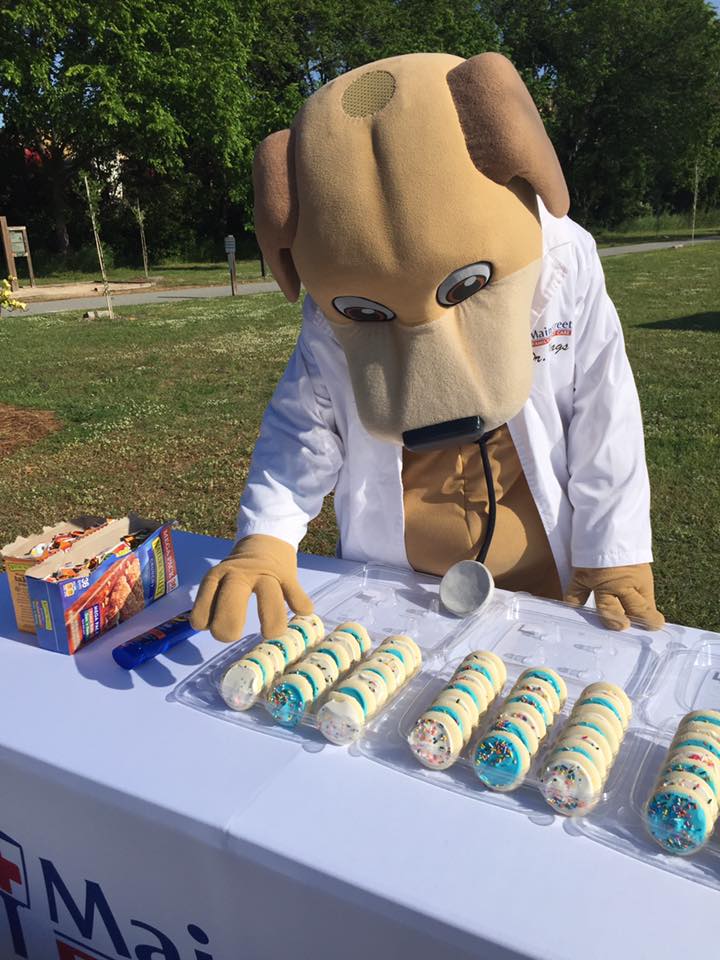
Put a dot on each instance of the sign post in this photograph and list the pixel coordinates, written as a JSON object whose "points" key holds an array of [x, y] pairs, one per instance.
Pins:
{"points": [[230, 251], [21, 248], [9, 255]]}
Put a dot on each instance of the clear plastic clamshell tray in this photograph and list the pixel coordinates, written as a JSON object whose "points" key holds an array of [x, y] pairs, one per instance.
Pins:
{"points": [[528, 633], [686, 679], [385, 600]]}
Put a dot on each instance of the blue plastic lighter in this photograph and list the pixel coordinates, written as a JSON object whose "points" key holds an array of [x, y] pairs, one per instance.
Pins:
{"points": [[148, 645]]}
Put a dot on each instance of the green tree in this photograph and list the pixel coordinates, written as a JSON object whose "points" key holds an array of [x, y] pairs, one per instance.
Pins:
{"points": [[630, 91], [150, 81]]}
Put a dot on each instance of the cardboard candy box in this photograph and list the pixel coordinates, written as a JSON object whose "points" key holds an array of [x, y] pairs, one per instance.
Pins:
{"points": [[69, 598]]}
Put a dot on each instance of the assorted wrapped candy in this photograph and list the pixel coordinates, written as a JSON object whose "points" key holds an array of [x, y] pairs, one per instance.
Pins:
{"points": [[444, 729], [683, 807], [357, 698], [574, 774], [503, 756]]}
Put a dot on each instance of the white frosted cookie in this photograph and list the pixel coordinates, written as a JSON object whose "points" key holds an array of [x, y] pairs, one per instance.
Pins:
{"points": [[241, 684], [266, 661], [407, 644], [703, 716], [602, 721], [353, 686], [359, 632], [694, 786], [468, 701], [377, 684], [307, 630], [594, 738], [518, 726], [393, 663], [540, 689], [608, 701], [551, 677], [313, 674], [544, 688], [351, 644], [473, 689], [436, 740], [315, 622], [587, 748], [401, 653], [475, 677], [385, 672], [603, 686], [340, 719], [487, 664], [458, 711], [325, 663], [571, 783], [698, 730], [275, 655], [338, 651], [290, 646], [534, 700], [528, 714], [695, 760]]}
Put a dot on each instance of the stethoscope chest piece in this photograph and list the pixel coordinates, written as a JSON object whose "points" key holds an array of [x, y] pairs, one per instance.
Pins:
{"points": [[466, 588]]}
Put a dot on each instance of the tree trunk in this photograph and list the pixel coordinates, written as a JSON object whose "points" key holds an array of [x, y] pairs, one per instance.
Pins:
{"points": [[58, 184]]}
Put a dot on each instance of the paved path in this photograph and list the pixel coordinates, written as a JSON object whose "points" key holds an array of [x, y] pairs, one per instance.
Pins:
{"points": [[652, 245], [199, 293]]}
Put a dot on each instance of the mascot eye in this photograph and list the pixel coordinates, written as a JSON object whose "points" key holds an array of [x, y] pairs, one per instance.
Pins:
{"points": [[358, 308], [463, 283]]}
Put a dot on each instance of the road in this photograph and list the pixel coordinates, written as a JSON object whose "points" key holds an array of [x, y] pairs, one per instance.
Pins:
{"points": [[244, 289]]}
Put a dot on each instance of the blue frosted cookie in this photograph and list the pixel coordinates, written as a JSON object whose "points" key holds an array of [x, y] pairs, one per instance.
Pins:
{"points": [[289, 699], [501, 760], [680, 823]]}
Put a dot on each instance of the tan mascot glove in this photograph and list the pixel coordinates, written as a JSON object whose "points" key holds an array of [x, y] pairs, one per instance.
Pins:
{"points": [[257, 564], [620, 592]]}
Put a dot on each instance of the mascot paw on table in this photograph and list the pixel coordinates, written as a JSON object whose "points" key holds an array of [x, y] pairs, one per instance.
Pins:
{"points": [[456, 330]]}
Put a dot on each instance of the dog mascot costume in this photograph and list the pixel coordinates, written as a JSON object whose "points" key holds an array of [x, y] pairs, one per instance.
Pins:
{"points": [[449, 298]]}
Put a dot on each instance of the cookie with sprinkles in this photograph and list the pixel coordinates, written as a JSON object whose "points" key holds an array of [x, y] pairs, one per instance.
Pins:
{"points": [[551, 677], [602, 687], [678, 821], [436, 740], [501, 760], [242, 684], [542, 689], [341, 718], [570, 782], [476, 679]]}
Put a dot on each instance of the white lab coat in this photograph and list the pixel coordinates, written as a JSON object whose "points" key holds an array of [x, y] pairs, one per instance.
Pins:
{"points": [[579, 436]]}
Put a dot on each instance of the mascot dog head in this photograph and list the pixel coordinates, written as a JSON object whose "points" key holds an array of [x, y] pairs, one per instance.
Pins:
{"points": [[404, 199]]}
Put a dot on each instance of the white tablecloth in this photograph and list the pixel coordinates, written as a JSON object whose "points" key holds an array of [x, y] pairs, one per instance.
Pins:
{"points": [[135, 827]]}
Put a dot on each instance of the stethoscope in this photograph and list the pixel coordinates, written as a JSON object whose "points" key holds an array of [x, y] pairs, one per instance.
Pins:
{"points": [[468, 585]]}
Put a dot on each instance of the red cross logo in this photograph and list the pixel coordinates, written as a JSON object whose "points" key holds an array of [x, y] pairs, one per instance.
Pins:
{"points": [[9, 872]]}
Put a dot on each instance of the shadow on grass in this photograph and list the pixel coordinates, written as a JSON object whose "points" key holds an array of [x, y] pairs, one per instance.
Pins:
{"points": [[708, 322]]}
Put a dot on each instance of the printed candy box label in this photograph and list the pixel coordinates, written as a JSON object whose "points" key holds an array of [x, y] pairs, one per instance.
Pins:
{"points": [[70, 613]]}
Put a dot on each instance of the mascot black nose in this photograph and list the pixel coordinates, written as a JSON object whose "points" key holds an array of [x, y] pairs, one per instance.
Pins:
{"points": [[449, 433]]}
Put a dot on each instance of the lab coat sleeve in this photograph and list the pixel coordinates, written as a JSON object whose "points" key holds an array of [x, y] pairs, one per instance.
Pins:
{"points": [[297, 456], [608, 484]]}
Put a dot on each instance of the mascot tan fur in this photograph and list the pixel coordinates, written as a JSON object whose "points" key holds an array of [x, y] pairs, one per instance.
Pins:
{"points": [[450, 300]]}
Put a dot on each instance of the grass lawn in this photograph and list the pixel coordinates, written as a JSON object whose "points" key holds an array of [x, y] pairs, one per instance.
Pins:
{"points": [[164, 274], [160, 411]]}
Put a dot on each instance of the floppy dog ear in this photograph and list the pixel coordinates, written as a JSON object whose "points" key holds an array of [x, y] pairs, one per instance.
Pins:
{"points": [[276, 207], [503, 131]]}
